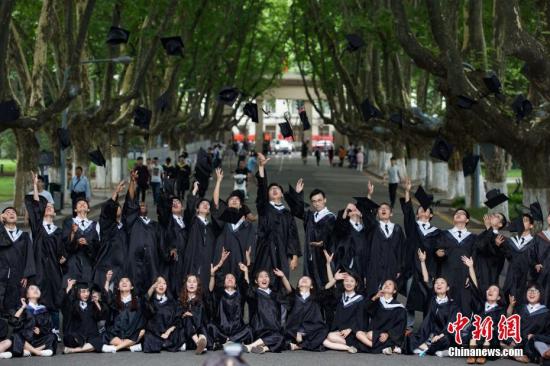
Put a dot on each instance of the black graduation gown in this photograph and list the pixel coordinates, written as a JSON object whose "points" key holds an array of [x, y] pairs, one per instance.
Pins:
{"points": [[541, 253], [80, 326], [48, 250], [488, 259], [305, 317], [452, 268], [199, 252], [160, 317], [16, 262], [520, 263], [30, 319], [267, 315], [175, 237], [544, 277], [113, 251], [127, 320], [227, 318], [278, 237], [82, 258], [352, 315], [537, 322], [417, 298], [314, 258], [188, 326], [235, 241], [391, 319], [145, 248], [349, 247]]}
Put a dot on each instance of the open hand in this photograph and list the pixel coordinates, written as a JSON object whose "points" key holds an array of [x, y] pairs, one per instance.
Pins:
{"points": [[299, 185], [328, 257], [421, 255]]}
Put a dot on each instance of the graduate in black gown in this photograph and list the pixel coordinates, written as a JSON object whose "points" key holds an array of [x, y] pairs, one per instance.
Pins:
{"points": [[318, 225], [145, 242], [227, 307], [5, 342], [113, 250], [305, 326], [278, 245], [192, 317], [433, 336], [535, 319], [126, 329], [81, 237], [33, 336], [17, 264], [48, 248], [239, 237], [421, 234], [489, 254], [543, 262], [520, 253], [81, 315], [199, 252], [160, 312], [386, 246], [450, 247], [170, 216]]}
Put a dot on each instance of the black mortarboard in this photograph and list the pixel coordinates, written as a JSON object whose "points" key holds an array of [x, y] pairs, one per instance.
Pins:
{"points": [[516, 225], [97, 157], [492, 83], [286, 129], [424, 198], [162, 103], [469, 164], [522, 107], [173, 45], [397, 118], [231, 215], [465, 102], [536, 211], [366, 204], [355, 42], [304, 119], [236, 193], [82, 285], [9, 111], [369, 111], [441, 149], [495, 198], [251, 110], [64, 138], [117, 35], [228, 95], [142, 117]]}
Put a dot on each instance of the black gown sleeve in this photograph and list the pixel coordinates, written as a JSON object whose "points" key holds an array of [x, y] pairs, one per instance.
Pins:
{"points": [[164, 209], [130, 211], [409, 219], [107, 218], [36, 210], [262, 198], [296, 203]]}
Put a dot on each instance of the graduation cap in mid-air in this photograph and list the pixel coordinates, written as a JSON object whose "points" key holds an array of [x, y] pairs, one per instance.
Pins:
{"points": [[231, 215], [469, 164], [365, 203], [441, 149], [522, 107], [64, 138], [286, 129], [9, 111], [117, 36], [516, 225], [355, 42], [465, 102], [495, 198], [228, 95], [173, 45], [536, 211], [493, 83], [251, 110], [142, 117], [423, 198], [303, 118], [97, 157], [369, 111]]}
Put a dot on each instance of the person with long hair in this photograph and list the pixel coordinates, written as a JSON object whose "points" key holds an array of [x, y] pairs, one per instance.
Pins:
{"points": [[192, 323]]}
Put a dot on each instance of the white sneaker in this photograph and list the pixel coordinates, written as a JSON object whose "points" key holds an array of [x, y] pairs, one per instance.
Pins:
{"points": [[417, 351], [26, 353], [46, 353], [107, 348], [442, 353], [183, 348], [136, 348], [387, 351], [56, 332], [5, 355], [397, 350]]}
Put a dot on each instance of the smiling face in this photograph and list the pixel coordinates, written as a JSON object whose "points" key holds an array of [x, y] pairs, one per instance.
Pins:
{"points": [[527, 224], [305, 284], [275, 193], [229, 282], [441, 287], [125, 285], [84, 294], [177, 207], [389, 288], [533, 295], [384, 212], [234, 202], [82, 208], [318, 202], [204, 208], [161, 286], [262, 280], [350, 283], [10, 216], [191, 284], [493, 294]]}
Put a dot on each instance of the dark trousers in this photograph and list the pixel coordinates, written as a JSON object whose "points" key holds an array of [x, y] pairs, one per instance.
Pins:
{"points": [[155, 187], [141, 190], [393, 191]]}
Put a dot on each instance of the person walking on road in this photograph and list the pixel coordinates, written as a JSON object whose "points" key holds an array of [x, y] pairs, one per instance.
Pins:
{"points": [[305, 151], [394, 177], [317, 155]]}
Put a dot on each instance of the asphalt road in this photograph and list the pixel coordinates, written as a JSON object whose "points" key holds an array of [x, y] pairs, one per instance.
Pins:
{"points": [[340, 185]]}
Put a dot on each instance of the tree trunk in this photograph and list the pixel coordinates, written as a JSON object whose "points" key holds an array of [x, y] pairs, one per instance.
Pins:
{"points": [[535, 172], [495, 175], [456, 177], [27, 161], [440, 177]]}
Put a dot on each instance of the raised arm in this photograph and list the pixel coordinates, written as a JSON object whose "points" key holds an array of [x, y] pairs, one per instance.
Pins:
{"points": [[283, 278], [469, 262], [424, 268], [295, 200], [215, 268], [216, 194], [262, 198]]}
